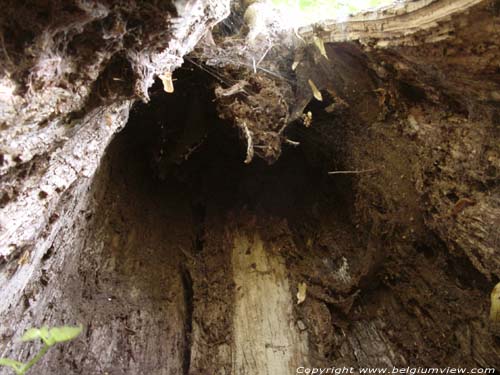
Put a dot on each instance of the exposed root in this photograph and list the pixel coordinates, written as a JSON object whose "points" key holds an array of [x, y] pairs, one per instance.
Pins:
{"points": [[248, 136]]}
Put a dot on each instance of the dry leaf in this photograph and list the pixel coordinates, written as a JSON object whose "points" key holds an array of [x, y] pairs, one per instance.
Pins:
{"points": [[307, 121], [25, 258], [301, 294], [295, 64], [495, 304], [316, 92], [109, 120], [168, 85], [321, 46]]}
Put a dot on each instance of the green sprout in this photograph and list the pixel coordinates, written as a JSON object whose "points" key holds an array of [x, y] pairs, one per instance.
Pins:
{"points": [[49, 336]]}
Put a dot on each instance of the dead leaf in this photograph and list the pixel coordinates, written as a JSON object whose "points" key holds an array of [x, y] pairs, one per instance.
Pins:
{"points": [[109, 120], [307, 119], [168, 85], [25, 258], [321, 46], [495, 304], [316, 92], [301, 294]]}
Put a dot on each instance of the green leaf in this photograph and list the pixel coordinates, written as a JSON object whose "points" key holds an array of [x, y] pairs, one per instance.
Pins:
{"points": [[66, 333], [15, 365], [31, 334], [36, 333]]}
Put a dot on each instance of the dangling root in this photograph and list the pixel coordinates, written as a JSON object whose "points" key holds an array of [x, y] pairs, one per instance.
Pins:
{"points": [[248, 136]]}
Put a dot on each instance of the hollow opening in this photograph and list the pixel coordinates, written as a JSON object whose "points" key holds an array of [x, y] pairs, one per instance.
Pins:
{"points": [[179, 180], [171, 183], [177, 143], [188, 247]]}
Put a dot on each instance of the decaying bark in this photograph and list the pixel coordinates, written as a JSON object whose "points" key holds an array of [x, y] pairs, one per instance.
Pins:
{"points": [[179, 259]]}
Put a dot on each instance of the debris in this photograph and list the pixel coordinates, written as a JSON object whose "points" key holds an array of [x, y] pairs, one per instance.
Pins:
{"points": [[354, 172], [261, 115], [301, 293], [307, 119], [412, 121], [25, 258], [295, 64], [293, 143], [461, 204], [316, 92], [338, 105], [234, 89]]}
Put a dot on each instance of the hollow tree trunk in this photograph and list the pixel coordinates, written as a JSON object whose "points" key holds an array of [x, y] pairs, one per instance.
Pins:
{"points": [[196, 268]]}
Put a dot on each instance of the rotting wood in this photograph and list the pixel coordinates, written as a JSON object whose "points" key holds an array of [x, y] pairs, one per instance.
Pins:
{"points": [[99, 252]]}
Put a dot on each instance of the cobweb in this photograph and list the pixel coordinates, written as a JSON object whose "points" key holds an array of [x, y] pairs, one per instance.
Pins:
{"points": [[253, 54]]}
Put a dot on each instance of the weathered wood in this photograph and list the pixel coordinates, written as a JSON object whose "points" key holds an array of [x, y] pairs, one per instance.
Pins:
{"points": [[266, 337], [405, 23]]}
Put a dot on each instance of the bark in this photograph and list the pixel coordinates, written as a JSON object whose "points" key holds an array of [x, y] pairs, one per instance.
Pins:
{"points": [[179, 259]]}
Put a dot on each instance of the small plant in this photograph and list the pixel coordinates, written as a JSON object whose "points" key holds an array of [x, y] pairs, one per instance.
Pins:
{"points": [[49, 336]]}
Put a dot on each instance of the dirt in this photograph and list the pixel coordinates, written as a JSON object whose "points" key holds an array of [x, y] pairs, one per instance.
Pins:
{"points": [[401, 266]]}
